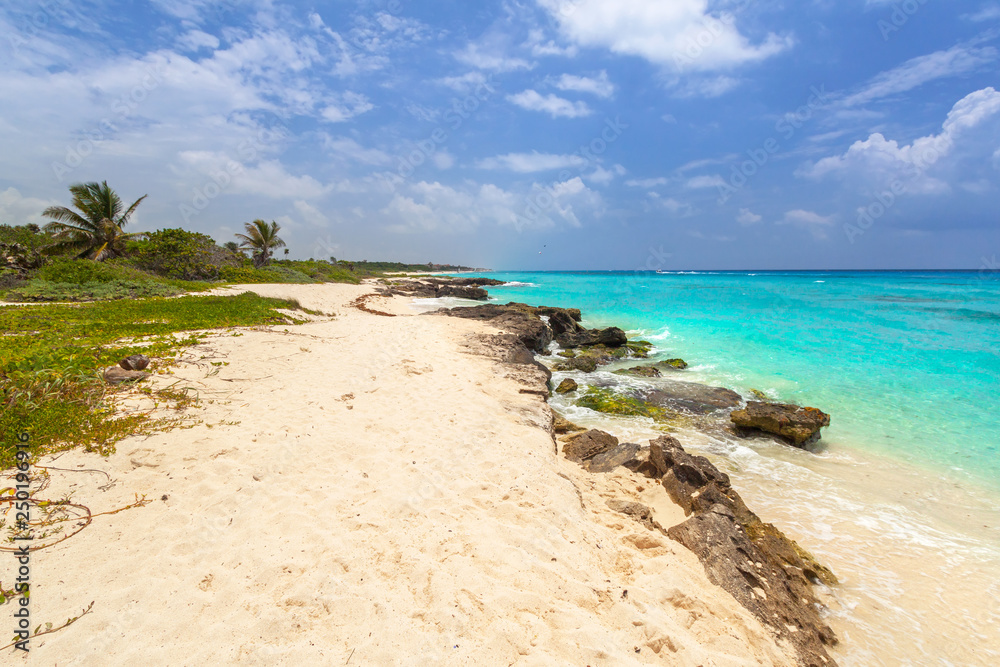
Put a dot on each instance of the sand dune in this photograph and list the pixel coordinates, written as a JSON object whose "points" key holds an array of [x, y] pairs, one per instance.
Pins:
{"points": [[369, 490]]}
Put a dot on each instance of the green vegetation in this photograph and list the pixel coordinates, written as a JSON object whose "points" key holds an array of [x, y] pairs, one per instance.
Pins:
{"points": [[609, 402], [94, 230], [53, 357], [182, 255]]}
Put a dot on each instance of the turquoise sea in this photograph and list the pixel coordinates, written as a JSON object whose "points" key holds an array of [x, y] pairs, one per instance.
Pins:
{"points": [[908, 363], [902, 499]]}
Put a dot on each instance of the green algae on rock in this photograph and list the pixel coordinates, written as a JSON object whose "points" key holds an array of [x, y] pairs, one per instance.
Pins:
{"points": [[601, 399]]}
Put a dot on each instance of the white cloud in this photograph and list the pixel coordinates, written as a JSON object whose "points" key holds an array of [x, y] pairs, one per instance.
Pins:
{"points": [[682, 34], [604, 176], [990, 12], [699, 182], [194, 40], [748, 217], [814, 223], [481, 57], [465, 82], [442, 159], [668, 118], [346, 107], [312, 215], [599, 86], [526, 163], [351, 149], [923, 69], [879, 160], [647, 182], [556, 107], [710, 86], [540, 48]]}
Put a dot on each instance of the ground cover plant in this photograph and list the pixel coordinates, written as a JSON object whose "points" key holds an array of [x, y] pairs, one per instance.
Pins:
{"points": [[52, 358]]}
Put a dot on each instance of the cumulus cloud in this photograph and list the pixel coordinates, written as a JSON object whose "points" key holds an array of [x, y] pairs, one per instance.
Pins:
{"points": [[553, 105], [970, 126], [682, 34], [16, 209]]}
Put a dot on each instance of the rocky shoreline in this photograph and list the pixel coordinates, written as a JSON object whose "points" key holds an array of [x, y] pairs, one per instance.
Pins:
{"points": [[768, 573]]}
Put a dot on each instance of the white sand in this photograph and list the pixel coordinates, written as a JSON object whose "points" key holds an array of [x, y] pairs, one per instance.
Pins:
{"points": [[387, 497]]}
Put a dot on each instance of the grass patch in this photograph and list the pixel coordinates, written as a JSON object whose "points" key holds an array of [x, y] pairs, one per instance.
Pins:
{"points": [[53, 357]]}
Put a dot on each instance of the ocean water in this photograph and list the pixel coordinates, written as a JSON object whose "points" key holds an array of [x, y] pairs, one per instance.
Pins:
{"points": [[902, 498]]}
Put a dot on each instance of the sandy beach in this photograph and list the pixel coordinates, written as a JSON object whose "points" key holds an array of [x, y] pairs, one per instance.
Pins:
{"points": [[370, 490]]}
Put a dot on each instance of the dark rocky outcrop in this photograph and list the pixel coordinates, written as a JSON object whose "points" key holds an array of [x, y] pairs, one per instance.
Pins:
{"points": [[135, 362], [463, 288], [794, 424], [519, 354], [767, 573], [566, 386], [516, 318], [688, 397], [611, 337], [589, 444]]}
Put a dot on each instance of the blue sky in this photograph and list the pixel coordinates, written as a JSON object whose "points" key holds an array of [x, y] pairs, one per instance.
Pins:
{"points": [[540, 134]]}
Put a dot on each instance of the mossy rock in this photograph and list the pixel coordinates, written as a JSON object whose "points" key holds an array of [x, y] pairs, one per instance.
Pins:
{"points": [[639, 349], [760, 396], [567, 386], [568, 354], [640, 372], [672, 364], [604, 400]]}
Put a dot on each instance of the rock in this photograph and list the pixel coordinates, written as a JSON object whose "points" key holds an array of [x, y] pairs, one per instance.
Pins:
{"points": [[639, 348], [136, 362], [116, 375], [797, 425], [640, 371], [589, 444], [603, 399], [611, 336], [517, 318], [637, 511], [521, 355], [611, 459], [689, 397], [760, 396], [560, 322], [18, 258], [462, 292], [769, 574], [585, 364], [562, 425], [566, 354], [566, 386], [671, 364], [573, 313]]}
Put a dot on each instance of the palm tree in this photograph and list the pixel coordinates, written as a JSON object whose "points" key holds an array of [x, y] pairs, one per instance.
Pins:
{"points": [[261, 239], [96, 231]]}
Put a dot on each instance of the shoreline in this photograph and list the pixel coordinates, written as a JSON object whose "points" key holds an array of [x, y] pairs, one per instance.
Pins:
{"points": [[325, 512]]}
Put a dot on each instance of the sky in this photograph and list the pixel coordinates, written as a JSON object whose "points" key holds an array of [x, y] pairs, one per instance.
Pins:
{"points": [[523, 135]]}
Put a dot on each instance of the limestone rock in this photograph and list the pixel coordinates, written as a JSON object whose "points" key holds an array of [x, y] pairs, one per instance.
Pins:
{"points": [[562, 425], [585, 364], [589, 444], [612, 458], [688, 397], [640, 371], [796, 425]]}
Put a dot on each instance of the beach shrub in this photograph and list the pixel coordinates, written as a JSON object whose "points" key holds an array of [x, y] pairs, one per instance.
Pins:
{"points": [[53, 355], [29, 236], [180, 254], [247, 275]]}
